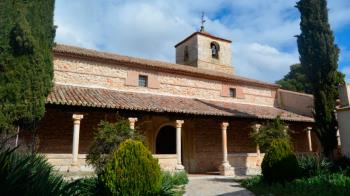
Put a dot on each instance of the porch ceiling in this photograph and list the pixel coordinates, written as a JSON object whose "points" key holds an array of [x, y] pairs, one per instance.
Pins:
{"points": [[104, 98]]}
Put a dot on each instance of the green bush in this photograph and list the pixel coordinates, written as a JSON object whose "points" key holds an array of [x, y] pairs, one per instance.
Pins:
{"points": [[29, 174], [279, 163], [170, 181], [342, 164], [167, 187], [132, 170], [87, 186], [179, 178], [312, 165], [108, 138], [319, 185], [268, 132]]}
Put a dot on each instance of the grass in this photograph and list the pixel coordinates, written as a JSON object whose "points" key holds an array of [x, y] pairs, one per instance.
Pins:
{"points": [[323, 184]]}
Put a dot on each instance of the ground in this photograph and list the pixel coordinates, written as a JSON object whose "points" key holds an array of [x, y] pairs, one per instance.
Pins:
{"points": [[209, 185]]}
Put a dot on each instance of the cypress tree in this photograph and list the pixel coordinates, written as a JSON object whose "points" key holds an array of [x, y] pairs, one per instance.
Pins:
{"points": [[319, 58], [26, 62]]}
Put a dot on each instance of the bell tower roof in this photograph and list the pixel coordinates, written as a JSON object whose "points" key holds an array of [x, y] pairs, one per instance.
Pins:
{"points": [[204, 33]]}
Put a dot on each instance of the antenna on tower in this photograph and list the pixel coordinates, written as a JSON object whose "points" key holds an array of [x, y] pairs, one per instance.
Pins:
{"points": [[202, 22]]}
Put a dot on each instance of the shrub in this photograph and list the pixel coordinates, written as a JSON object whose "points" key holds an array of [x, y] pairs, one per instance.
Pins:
{"points": [[167, 187], [108, 137], [132, 170], [268, 132], [280, 164], [309, 165], [342, 164], [29, 174], [171, 180], [312, 165], [179, 178], [319, 185]]}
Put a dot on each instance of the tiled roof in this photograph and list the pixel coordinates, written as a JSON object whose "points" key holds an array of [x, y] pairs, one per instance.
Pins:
{"points": [[103, 98], [77, 52], [204, 33]]}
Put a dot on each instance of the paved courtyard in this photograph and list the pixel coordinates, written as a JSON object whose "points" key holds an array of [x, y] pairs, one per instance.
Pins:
{"points": [[207, 185]]}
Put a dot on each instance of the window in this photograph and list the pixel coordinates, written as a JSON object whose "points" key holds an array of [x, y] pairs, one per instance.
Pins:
{"points": [[232, 92], [215, 48], [186, 55], [143, 81]]}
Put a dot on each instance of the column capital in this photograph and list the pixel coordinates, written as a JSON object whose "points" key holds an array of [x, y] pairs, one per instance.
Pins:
{"points": [[132, 120], [179, 123], [257, 126], [224, 125], [77, 118], [308, 128]]}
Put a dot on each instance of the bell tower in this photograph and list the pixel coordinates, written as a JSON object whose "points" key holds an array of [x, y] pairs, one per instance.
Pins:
{"points": [[205, 51]]}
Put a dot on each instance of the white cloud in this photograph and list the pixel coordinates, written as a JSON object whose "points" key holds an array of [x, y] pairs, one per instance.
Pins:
{"points": [[262, 61], [262, 33]]}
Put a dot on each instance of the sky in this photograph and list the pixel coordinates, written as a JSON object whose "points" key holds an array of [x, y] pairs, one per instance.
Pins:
{"points": [[262, 31]]}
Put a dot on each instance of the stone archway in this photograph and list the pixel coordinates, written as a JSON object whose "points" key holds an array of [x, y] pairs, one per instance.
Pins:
{"points": [[166, 140]]}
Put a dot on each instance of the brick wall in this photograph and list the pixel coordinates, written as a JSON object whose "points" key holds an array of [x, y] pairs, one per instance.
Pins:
{"points": [[201, 137]]}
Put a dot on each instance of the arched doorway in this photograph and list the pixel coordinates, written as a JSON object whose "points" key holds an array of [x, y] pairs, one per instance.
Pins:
{"points": [[166, 140]]}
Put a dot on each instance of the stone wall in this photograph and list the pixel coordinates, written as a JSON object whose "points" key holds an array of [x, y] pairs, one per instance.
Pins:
{"points": [[343, 115], [98, 75], [299, 103], [205, 60], [199, 54]]}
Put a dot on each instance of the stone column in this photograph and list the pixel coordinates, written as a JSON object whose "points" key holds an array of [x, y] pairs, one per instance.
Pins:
{"points": [[338, 138], [132, 122], [309, 141], [257, 129], [286, 129], [76, 129], [225, 168], [179, 165]]}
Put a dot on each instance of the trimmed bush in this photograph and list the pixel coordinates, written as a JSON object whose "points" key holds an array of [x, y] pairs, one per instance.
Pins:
{"points": [[280, 164], [132, 170]]}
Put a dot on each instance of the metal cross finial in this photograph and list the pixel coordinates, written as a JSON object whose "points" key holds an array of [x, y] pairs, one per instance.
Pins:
{"points": [[202, 21]]}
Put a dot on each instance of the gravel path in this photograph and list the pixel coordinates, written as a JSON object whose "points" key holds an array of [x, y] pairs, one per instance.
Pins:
{"points": [[214, 185]]}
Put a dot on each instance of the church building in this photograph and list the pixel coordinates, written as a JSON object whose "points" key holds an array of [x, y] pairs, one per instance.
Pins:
{"points": [[196, 114]]}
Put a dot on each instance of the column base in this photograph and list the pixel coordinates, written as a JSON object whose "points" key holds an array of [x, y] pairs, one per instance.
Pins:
{"points": [[226, 169], [179, 167], [75, 167]]}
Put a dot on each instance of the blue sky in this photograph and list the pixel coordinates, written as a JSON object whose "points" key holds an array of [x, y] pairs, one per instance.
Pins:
{"points": [[262, 32]]}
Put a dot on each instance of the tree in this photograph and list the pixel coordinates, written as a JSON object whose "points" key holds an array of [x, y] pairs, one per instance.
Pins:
{"points": [[269, 131], [107, 139], [26, 62], [295, 80], [319, 59]]}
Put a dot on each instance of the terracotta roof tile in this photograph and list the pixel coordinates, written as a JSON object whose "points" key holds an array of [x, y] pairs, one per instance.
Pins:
{"points": [[103, 98]]}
